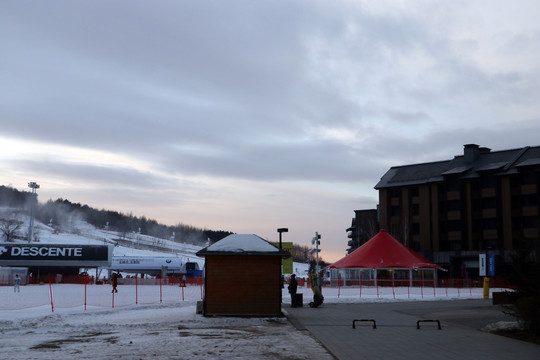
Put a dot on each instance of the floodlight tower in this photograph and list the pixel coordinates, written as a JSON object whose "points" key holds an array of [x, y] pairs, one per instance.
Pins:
{"points": [[34, 186]]}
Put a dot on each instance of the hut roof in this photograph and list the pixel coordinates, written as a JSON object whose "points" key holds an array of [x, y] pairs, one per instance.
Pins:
{"points": [[242, 244]]}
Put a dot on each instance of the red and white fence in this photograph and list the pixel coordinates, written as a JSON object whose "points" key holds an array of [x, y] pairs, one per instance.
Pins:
{"points": [[131, 291]]}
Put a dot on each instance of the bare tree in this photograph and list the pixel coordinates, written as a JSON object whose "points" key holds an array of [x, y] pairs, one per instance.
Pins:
{"points": [[9, 227], [372, 229], [405, 225]]}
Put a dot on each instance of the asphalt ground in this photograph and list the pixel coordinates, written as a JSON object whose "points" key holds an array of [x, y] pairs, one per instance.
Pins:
{"points": [[397, 336]]}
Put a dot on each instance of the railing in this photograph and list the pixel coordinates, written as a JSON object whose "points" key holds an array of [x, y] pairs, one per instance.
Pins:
{"points": [[76, 296], [81, 279], [413, 288], [443, 282]]}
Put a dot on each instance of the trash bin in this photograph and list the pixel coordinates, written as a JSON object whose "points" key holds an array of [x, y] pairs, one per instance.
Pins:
{"points": [[297, 300]]}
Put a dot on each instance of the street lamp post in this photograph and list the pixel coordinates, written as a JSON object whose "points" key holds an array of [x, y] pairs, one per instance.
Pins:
{"points": [[282, 230], [34, 186]]}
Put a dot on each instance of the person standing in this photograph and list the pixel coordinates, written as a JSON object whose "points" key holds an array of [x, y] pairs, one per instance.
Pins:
{"points": [[114, 282], [293, 286], [17, 284]]}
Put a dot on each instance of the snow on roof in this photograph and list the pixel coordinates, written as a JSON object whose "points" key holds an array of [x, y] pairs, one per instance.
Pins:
{"points": [[241, 243]]}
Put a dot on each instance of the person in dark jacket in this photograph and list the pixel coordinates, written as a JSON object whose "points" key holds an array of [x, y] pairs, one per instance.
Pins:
{"points": [[293, 285], [114, 282]]}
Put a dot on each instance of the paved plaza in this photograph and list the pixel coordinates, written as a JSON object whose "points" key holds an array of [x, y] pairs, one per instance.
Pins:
{"points": [[397, 337]]}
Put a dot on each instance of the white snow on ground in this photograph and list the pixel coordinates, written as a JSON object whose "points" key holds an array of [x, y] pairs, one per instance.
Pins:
{"points": [[160, 322], [161, 325], [501, 325], [30, 329]]}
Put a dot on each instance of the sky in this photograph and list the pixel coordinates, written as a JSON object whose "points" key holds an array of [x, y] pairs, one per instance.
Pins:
{"points": [[248, 116]]}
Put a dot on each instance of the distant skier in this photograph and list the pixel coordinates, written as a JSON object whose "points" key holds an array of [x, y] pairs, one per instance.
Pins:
{"points": [[183, 282], [17, 284], [114, 282]]}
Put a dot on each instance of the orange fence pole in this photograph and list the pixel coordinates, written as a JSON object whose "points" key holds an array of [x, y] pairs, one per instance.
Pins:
{"points": [[85, 276], [51, 292]]}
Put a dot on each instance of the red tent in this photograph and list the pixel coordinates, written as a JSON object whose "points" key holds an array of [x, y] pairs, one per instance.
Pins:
{"points": [[384, 252]]}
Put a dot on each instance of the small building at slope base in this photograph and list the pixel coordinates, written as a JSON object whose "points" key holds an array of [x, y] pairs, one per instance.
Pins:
{"points": [[242, 277]]}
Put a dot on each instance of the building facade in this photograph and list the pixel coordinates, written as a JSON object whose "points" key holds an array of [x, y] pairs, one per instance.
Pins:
{"points": [[364, 226], [480, 202]]}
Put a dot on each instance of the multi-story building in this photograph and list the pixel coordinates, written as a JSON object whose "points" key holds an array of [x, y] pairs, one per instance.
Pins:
{"points": [[364, 226], [451, 211]]}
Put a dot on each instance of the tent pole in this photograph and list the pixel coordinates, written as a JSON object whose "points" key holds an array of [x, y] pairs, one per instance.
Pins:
{"points": [[376, 283]]}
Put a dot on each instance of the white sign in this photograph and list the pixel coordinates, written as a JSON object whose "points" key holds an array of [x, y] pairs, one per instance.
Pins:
{"points": [[482, 264]]}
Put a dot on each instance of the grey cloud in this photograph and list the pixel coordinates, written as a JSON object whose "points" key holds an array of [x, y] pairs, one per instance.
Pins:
{"points": [[90, 174], [158, 82]]}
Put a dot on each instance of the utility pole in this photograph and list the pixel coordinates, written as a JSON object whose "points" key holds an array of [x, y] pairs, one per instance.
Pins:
{"points": [[316, 241]]}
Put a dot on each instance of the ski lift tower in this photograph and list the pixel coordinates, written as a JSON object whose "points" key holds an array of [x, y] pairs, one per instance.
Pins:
{"points": [[34, 186]]}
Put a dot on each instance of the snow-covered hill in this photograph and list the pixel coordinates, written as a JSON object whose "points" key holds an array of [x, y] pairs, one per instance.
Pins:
{"points": [[125, 244]]}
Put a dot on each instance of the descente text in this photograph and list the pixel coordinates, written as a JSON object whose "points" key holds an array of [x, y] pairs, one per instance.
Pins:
{"points": [[45, 251]]}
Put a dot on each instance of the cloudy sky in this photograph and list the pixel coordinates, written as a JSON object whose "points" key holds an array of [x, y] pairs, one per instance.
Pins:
{"points": [[248, 116]]}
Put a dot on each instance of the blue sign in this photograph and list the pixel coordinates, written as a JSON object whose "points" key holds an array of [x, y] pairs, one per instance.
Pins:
{"points": [[491, 265]]}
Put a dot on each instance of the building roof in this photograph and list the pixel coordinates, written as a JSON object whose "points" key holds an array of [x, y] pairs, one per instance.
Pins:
{"points": [[472, 163], [384, 252], [242, 244]]}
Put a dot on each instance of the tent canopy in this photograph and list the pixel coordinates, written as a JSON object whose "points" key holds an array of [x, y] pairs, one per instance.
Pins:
{"points": [[383, 252]]}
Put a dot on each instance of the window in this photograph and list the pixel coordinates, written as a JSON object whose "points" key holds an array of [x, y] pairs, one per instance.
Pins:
{"points": [[530, 221], [489, 181], [454, 225], [489, 203], [455, 245], [529, 200], [452, 184], [529, 178], [415, 228], [489, 224], [476, 205], [453, 205]]}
